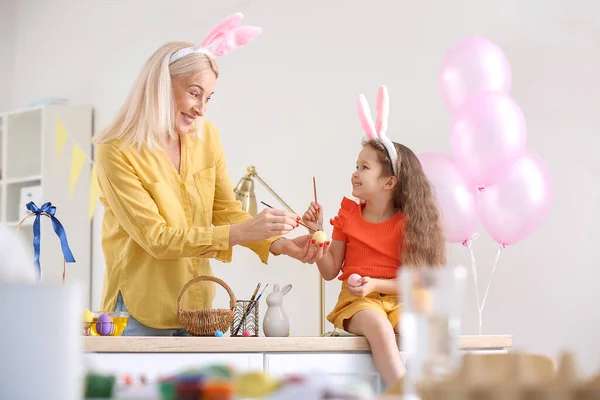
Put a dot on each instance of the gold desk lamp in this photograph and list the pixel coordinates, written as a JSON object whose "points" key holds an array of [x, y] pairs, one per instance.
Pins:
{"points": [[244, 192]]}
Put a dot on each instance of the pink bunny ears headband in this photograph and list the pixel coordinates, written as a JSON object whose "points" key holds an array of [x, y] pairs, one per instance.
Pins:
{"points": [[377, 130], [223, 39]]}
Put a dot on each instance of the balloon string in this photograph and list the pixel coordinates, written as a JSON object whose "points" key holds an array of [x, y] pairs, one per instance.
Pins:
{"points": [[475, 280], [480, 306], [491, 277]]}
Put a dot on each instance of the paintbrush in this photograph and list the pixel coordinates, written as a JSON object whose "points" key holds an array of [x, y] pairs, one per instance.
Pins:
{"points": [[258, 298], [301, 223], [250, 308], [320, 225], [247, 308]]}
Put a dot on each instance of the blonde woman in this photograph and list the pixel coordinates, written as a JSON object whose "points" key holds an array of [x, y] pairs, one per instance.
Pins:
{"points": [[168, 199]]}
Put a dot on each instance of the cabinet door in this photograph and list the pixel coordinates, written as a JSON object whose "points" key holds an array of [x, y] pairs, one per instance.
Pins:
{"points": [[156, 365], [336, 366]]}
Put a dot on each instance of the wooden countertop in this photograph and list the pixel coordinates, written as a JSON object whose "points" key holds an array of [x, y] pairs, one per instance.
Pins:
{"points": [[149, 344]]}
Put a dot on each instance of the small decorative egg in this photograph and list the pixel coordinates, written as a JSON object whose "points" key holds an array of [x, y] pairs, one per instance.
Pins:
{"points": [[88, 316], [256, 385], [104, 325], [246, 333], [320, 237], [354, 280], [218, 333]]}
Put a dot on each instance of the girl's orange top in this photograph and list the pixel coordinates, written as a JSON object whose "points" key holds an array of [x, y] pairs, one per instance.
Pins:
{"points": [[372, 249]]}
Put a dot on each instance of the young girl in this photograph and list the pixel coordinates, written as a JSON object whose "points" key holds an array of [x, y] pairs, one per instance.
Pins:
{"points": [[396, 223]]}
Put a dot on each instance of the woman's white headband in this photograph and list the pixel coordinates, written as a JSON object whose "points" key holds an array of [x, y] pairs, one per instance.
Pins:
{"points": [[223, 39], [378, 130]]}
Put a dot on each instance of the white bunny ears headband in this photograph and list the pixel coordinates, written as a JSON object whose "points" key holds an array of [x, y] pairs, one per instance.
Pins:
{"points": [[378, 130], [223, 39]]}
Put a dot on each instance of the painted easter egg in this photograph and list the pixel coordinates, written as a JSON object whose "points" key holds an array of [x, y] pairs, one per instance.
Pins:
{"points": [[320, 237], [354, 280], [104, 325], [88, 316]]}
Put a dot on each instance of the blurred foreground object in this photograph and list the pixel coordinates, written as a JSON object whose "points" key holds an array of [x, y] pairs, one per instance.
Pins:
{"points": [[509, 376], [16, 264], [40, 346]]}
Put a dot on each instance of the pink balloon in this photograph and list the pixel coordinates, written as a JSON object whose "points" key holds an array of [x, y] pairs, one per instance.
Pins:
{"points": [[456, 198], [471, 66], [488, 135], [516, 206]]}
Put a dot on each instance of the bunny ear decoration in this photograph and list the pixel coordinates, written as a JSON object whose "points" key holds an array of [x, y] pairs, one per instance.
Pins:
{"points": [[222, 39], [219, 31], [364, 113], [382, 110], [236, 38], [378, 130]]}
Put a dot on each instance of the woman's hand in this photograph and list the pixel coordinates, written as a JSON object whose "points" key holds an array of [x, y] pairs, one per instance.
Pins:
{"points": [[367, 286], [313, 217], [300, 248], [270, 222]]}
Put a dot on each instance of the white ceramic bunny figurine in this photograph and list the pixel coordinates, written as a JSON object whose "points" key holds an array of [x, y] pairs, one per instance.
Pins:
{"points": [[276, 322]]}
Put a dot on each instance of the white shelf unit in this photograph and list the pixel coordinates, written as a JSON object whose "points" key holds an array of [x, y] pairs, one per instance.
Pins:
{"points": [[28, 159]]}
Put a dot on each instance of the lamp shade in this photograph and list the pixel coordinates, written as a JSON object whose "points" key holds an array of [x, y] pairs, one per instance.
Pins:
{"points": [[244, 193]]}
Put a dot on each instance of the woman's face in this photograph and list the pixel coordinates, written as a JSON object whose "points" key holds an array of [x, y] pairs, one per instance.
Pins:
{"points": [[191, 95]]}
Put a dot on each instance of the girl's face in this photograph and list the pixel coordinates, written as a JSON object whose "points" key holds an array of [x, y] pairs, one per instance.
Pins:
{"points": [[191, 96], [368, 181]]}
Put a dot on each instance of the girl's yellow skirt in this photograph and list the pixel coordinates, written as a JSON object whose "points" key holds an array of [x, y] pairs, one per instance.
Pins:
{"points": [[348, 305]]}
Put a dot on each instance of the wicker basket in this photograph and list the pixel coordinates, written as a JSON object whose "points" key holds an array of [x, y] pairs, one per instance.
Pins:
{"points": [[207, 321]]}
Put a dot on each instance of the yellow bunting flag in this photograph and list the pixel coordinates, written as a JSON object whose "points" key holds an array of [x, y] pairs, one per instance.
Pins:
{"points": [[94, 192], [61, 137], [77, 160]]}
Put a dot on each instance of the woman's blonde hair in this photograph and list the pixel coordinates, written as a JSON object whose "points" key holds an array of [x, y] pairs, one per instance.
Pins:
{"points": [[148, 112], [424, 243]]}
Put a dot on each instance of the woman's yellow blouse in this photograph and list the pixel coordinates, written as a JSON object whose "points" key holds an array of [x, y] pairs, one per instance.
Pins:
{"points": [[160, 226]]}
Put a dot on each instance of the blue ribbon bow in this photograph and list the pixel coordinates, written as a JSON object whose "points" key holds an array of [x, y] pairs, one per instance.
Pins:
{"points": [[49, 209]]}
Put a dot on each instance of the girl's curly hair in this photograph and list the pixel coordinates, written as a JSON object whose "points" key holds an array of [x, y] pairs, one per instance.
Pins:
{"points": [[424, 242]]}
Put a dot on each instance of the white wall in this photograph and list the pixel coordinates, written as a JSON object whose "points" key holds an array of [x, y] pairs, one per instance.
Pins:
{"points": [[7, 56], [286, 104]]}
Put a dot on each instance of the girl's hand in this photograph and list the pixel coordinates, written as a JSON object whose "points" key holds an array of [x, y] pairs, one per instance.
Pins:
{"points": [[367, 286], [270, 222], [313, 217]]}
